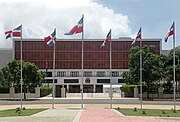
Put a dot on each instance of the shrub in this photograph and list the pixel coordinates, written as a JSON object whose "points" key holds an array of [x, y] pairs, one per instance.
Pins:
{"points": [[163, 112], [135, 109], [144, 112], [18, 111], [174, 111], [44, 91], [128, 90]]}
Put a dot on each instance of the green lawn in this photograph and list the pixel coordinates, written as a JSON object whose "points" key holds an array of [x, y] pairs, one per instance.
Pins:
{"points": [[149, 112], [27, 112]]}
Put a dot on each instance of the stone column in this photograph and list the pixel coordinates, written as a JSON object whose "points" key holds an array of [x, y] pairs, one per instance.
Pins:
{"points": [[63, 92], [37, 91], [136, 92], [12, 91], [160, 92]]}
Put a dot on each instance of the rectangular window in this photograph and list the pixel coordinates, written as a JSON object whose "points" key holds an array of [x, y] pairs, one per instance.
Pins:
{"points": [[50, 81], [48, 74], [101, 74], [74, 74], [115, 74], [121, 81], [87, 74], [61, 74], [71, 81], [103, 80]]}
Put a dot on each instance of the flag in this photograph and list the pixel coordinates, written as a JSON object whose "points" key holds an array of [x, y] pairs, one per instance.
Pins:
{"points": [[50, 40], [8, 34], [17, 31], [137, 37], [14, 33], [77, 28], [171, 32], [108, 37]]}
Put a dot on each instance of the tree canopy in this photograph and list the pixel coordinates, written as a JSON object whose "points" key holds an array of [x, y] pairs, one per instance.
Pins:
{"points": [[11, 74]]}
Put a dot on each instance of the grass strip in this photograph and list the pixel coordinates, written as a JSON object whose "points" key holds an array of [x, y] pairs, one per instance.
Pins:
{"points": [[26, 112], [149, 112]]}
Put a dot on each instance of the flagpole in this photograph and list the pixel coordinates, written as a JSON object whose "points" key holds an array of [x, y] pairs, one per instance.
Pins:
{"points": [[174, 67], [141, 70], [82, 65], [21, 69], [110, 66], [54, 57]]}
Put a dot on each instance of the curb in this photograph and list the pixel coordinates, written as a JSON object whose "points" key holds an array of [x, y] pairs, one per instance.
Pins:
{"points": [[78, 116], [117, 112]]}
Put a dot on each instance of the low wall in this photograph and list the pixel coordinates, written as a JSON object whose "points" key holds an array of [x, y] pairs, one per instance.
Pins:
{"points": [[12, 94], [93, 95], [164, 96]]}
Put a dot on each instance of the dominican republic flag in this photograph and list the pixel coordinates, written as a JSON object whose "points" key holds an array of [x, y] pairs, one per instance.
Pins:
{"points": [[50, 40], [14, 33], [17, 31], [8, 34], [137, 37], [171, 32], [108, 38], [77, 28]]}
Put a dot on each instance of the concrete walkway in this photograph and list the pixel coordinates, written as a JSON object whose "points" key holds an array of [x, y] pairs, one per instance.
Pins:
{"points": [[50, 115]]}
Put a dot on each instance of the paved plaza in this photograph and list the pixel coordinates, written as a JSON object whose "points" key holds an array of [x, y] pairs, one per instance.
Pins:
{"points": [[90, 113]]}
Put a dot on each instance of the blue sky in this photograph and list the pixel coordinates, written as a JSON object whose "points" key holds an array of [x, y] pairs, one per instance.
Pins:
{"points": [[124, 17], [155, 16]]}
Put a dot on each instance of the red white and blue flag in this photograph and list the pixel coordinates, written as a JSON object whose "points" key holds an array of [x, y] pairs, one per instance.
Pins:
{"points": [[170, 33], [139, 36], [14, 33], [50, 40], [8, 34], [77, 28], [17, 31], [108, 38]]}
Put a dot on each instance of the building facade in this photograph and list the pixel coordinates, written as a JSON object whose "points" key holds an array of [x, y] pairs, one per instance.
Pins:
{"points": [[68, 73]]}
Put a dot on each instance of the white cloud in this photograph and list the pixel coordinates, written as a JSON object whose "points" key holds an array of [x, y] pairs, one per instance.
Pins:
{"points": [[40, 18]]}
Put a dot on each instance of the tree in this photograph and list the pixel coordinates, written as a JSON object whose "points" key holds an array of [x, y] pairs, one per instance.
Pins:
{"points": [[2, 80], [128, 78], [32, 77], [169, 67], [151, 63]]}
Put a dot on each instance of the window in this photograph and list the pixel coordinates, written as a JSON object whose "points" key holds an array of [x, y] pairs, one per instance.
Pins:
{"points": [[121, 81], [71, 81], [115, 74], [87, 74], [50, 81], [74, 74], [48, 74], [103, 80], [61, 74], [100, 74]]}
